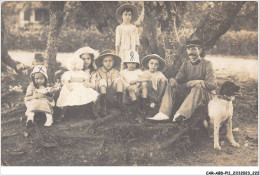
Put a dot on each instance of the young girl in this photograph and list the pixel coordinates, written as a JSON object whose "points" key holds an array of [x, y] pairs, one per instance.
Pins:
{"points": [[77, 89], [38, 97], [156, 81], [127, 37], [88, 55], [133, 81]]}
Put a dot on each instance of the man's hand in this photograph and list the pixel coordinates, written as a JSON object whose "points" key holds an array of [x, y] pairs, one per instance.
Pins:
{"points": [[172, 82], [194, 83]]}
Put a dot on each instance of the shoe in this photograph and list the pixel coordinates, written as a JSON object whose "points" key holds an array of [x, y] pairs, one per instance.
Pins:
{"points": [[159, 117], [29, 123], [120, 103], [49, 121], [178, 118]]}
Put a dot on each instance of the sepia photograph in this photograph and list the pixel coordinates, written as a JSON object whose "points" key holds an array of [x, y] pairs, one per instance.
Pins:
{"points": [[129, 83]]}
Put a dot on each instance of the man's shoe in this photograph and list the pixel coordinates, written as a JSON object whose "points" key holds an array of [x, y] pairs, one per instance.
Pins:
{"points": [[178, 118], [159, 117]]}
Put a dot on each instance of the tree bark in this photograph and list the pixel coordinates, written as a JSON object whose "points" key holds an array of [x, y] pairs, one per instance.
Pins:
{"points": [[216, 23], [56, 21], [5, 58]]}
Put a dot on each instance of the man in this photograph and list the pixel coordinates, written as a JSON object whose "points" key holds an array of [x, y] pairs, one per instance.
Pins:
{"points": [[195, 83]]}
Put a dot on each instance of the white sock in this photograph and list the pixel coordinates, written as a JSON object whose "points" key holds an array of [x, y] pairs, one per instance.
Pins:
{"points": [[30, 116], [49, 120]]}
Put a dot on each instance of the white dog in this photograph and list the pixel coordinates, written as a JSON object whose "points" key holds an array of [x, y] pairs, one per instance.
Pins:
{"points": [[220, 110]]}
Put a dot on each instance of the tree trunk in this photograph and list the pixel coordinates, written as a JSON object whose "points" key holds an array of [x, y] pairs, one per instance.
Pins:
{"points": [[217, 23], [56, 21], [5, 58]]}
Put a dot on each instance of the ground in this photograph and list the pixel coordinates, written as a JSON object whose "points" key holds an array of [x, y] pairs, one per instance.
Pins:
{"points": [[121, 141]]}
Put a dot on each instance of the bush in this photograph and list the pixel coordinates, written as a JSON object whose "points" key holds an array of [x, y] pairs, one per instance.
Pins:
{"points": [[237, 43]]}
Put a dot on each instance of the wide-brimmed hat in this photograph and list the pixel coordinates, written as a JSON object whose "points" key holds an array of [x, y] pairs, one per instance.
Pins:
{"points": [[146, 59], [190, 43], [40, 69], [132, 57], [121, 9], [85, 50], [108, 52]]}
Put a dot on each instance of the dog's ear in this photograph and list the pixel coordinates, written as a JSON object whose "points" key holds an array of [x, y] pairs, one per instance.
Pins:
{"points": [[228, 88], [224, 89]]}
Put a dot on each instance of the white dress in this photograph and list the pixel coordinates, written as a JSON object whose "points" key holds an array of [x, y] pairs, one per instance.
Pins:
{"points": [[129, 76], [80, 95], [126, 38]]}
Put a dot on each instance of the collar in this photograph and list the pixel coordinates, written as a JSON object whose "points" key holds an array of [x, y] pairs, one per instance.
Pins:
{"points": [[105, 71], [224, 97], [195, 63]]}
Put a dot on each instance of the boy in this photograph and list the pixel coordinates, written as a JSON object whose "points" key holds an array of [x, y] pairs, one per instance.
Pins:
{"points": [[108, 79]]}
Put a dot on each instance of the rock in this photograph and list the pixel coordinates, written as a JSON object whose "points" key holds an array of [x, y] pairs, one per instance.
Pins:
{"points": [[246, 144], [222, 142], [25, 134], [16, 153]]}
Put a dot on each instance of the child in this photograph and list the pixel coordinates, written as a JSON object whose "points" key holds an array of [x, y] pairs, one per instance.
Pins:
{"points": [[133, 82], [127, 37], [77, 89], [88, 55], [38, 98], [109, 79], [156, 81]]}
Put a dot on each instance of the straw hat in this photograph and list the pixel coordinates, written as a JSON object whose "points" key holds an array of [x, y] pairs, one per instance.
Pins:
{"points": [[122, 8], [146, 59], [132, 56], [108, 52], [40, 69]]}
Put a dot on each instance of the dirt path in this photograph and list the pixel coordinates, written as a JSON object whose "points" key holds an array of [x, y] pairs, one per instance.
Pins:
{"points": [[118, 140]]}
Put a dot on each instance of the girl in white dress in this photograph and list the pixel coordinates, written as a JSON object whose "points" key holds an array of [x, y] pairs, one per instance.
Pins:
{"points": [[127, 37], [77, 89]]}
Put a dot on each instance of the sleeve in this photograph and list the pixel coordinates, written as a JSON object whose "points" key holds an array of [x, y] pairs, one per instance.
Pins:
{"points": [[93, 78], [122, 74], [65, 77], [181, 75], [29, 91], [137, 41], [140, 73], [118, 36], [210, 79], [162, 77]]}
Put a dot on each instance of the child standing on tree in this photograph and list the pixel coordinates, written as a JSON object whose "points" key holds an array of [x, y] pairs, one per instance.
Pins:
{"points": [[127, 37]]}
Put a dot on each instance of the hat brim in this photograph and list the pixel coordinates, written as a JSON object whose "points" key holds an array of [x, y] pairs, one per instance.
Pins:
{"points": [[146, 59], [124, 6], [117, 60]]}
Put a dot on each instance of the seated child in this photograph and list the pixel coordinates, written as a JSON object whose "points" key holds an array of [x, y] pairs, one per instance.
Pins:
{"points": [[38, 97], [133, 82], [76, 89], [156, 81], [109, 79]]}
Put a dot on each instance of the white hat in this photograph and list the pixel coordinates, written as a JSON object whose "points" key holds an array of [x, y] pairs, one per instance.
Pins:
{"points": [[132, 56], [86, 50], [40, 69]]}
